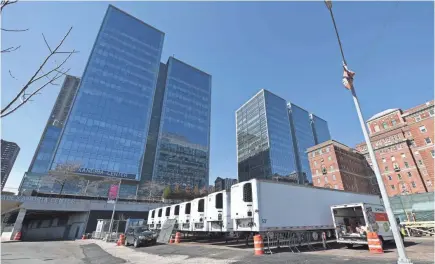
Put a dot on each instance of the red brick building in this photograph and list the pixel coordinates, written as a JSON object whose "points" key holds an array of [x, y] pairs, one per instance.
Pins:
{"points": [[335, 165], [404, 149]]}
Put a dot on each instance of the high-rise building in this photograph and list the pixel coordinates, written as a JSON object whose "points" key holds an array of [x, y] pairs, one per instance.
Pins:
{"points": [[221, 184], [337, 166], [273, 136], [47, 144], [182, 150], [10, 152], [133, 119], [404, 149]]}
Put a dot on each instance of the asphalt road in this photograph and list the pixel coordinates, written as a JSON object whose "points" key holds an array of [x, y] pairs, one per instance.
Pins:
{"points": [[99, 252], [64, 252]]}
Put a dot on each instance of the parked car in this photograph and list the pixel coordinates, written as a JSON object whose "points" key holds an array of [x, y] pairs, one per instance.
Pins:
{"points": [[140, 236]]}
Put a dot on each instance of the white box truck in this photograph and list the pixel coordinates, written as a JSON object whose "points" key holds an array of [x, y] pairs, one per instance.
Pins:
{"points": [[265, 206], [198, 215], [184, 217], [353, 221], [175, 214], [218, 212]]}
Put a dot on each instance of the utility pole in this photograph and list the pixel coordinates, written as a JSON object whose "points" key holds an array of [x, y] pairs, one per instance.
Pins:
{"points": [[403, 259]]}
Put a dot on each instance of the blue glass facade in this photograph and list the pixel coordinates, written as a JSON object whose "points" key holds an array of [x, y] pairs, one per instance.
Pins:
{"points": [[320, 129], [107, 128], [281, 145], [253, 144], [303, 138], [182, 154], [272, 137], [131, 118]]}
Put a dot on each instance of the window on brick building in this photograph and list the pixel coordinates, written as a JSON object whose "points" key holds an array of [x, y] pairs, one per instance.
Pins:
{"points": [[315, 163], [429, 183], [409, 174], [413, 184], [327, 149], [326, 179], [428, 140], [432, 152], [389, 177], [313, 155], [420, 162], [384, 160], [336, 186], [318, 180], [406, 164], [403, 155], [329, 158], [331, 167], [386, 168], [412, 143], [393, 158], [376, 128], [417, 118], [423, 129], [317, 171], [392, 187], [333, 177], [385, 125], [399, 176], [393, 122]]}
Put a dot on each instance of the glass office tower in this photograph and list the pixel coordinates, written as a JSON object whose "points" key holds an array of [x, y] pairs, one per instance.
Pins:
{"points": [[272, 137], [264, 143], [132, 118], [47, 145], [320, 129], [303, 138], [182, 153], [106, 131]]}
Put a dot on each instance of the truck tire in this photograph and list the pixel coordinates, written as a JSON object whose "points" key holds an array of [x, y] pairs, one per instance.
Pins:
{"points": [[349, 245]]}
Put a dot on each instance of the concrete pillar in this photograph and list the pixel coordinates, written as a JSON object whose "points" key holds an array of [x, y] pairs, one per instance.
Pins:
{"points": [[18, 223]]}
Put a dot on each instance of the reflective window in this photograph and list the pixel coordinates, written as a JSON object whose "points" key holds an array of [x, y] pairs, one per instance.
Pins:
{"points": [[182, 155]]}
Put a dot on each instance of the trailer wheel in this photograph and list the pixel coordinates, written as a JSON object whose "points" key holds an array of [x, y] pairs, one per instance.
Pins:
{"points": [[349, 245]]}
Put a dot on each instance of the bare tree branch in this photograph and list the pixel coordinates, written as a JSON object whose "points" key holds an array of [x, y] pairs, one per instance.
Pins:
{"points": [[48, 46], [25, 100], [5, 3], [10, 73], [10, 49], [14, 30], [34, 78]]}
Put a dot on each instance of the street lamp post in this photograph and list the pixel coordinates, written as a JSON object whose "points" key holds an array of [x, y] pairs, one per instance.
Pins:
{"points": [[394, 228]]}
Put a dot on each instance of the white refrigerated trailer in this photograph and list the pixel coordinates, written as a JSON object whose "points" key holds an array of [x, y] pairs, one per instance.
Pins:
{"points": [[218, 212], [150, 220], [198, 215], [184, 219], [267, 206]]}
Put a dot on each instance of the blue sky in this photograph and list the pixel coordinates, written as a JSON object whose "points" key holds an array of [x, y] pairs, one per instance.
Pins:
{"points": [[288, 48]]}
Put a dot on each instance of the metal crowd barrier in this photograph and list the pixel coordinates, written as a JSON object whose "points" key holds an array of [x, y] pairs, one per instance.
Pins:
{"points": [[294, 240]]}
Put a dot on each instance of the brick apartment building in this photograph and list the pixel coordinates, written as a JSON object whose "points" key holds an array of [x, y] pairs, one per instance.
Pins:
{"points": [[335, 165], [403, 144]]}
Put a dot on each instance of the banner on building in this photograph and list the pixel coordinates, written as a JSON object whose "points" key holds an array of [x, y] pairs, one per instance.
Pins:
{"points": [[113, 193]]}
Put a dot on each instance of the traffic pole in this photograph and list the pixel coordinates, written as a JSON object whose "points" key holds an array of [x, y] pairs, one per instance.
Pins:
{"points": [[403, 259]]}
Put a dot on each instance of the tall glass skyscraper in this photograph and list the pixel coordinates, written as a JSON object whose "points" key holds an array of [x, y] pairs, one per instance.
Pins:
{"points": [[182, 154], [40, 163], [272, 137], [133, 118]]}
